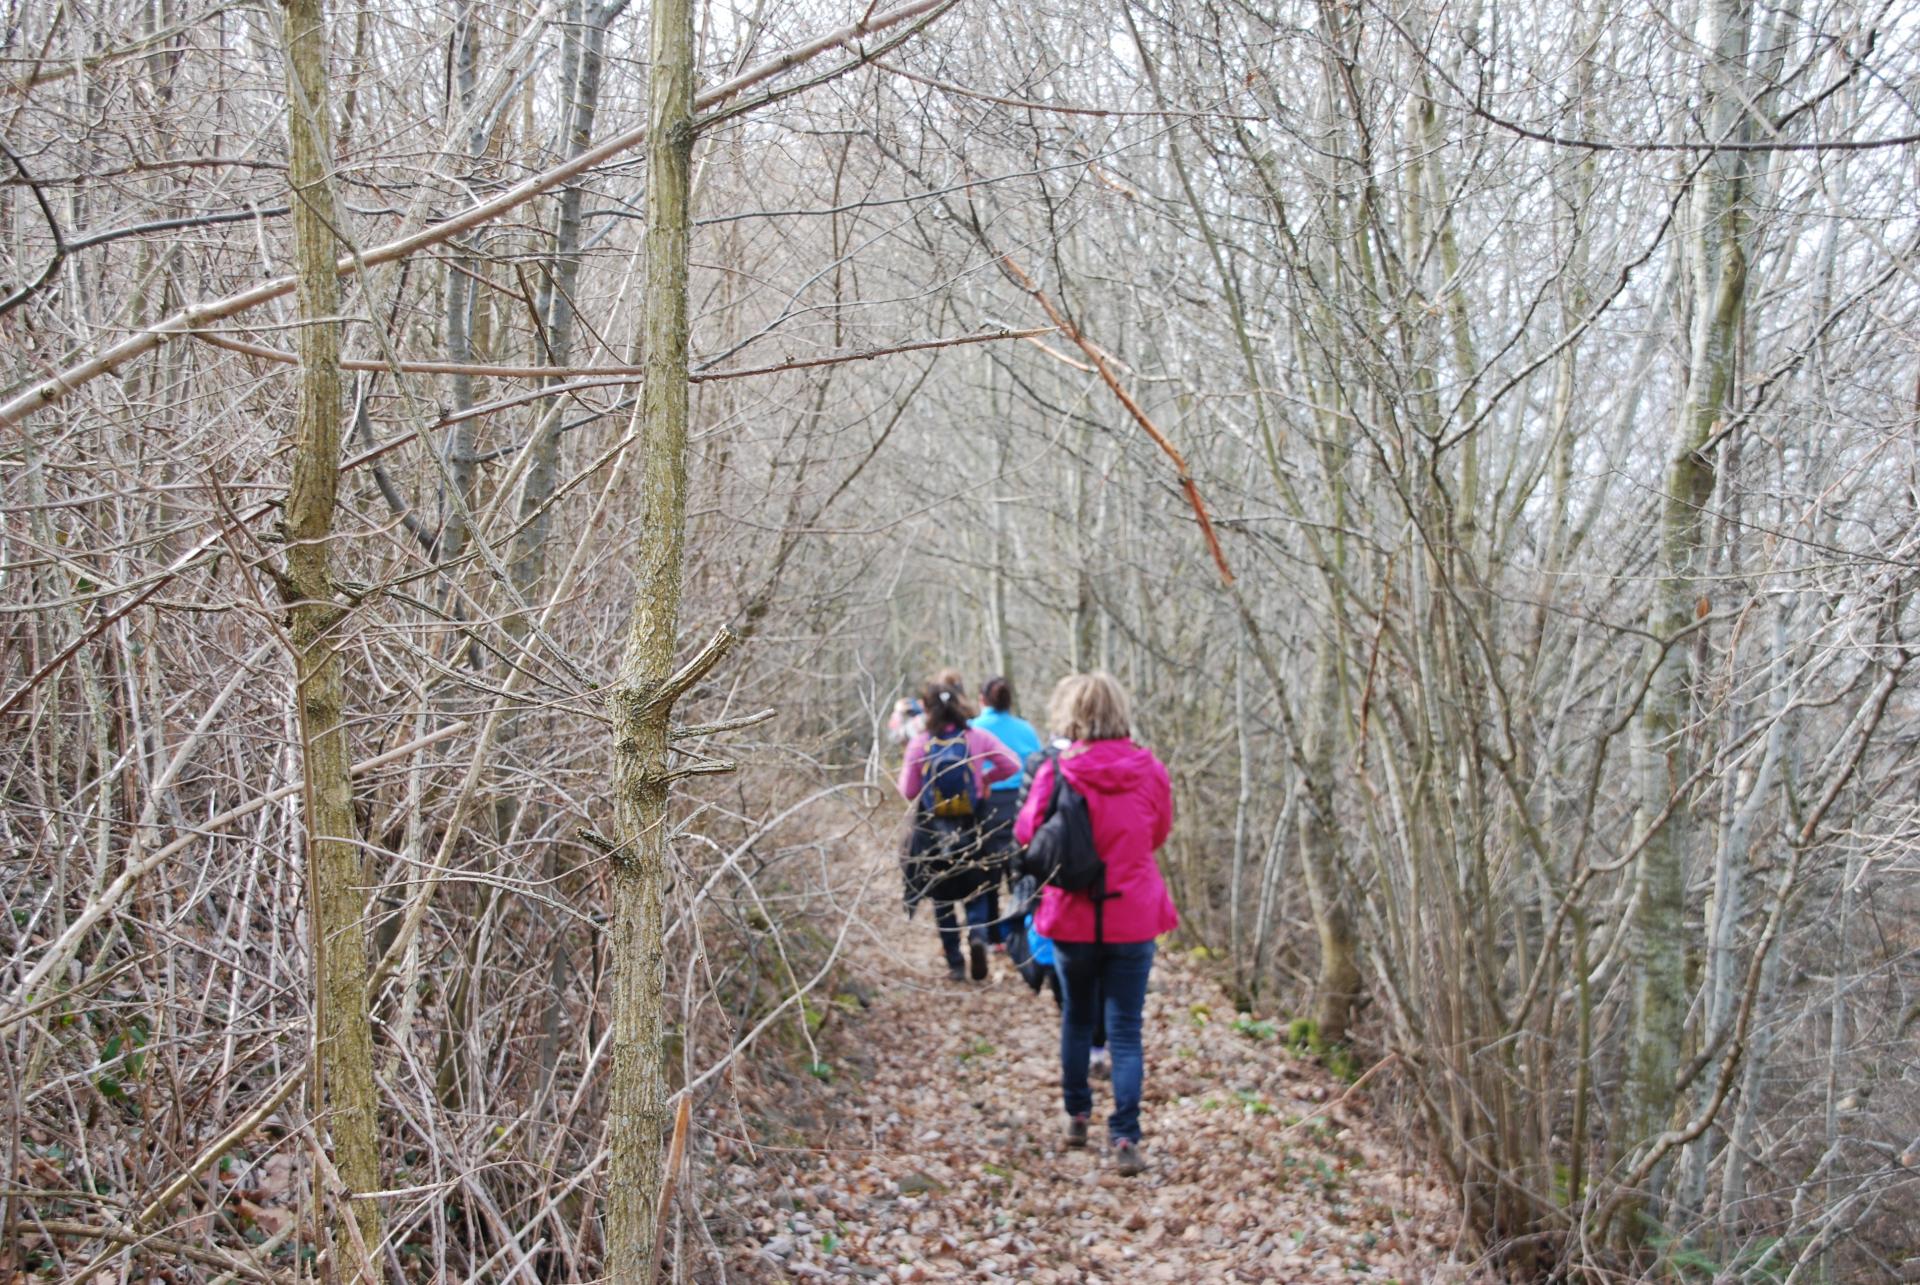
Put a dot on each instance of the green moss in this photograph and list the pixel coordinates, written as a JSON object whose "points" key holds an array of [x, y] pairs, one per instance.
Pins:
{"points": [[1303, 1037], [1260, 1030], [979, 1048]]}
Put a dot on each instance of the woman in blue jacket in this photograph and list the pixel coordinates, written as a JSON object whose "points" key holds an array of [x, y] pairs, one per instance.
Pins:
{"points": [[1003, 797]]}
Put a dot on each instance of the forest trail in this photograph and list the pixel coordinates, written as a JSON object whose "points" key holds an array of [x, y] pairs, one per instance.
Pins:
{"points": [[936, 1153]]}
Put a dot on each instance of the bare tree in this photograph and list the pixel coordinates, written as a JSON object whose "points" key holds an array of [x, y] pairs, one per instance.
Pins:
{"points": [[1494, 345], [343, 1069]]}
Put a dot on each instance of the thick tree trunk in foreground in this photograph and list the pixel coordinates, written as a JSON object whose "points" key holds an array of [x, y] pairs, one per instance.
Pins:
{"points": [[344, 1074], [643, 695]]}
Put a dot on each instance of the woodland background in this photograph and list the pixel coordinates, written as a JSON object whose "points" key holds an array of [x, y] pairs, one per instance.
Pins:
{"points": [[1535, 687]]}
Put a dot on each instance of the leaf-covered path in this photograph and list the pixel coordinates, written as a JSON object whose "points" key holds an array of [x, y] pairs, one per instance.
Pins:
{"points": [[936, 1154]]}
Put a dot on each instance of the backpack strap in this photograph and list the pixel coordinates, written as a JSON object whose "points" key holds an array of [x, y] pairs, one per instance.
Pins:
{"points": [[1098, 895]]}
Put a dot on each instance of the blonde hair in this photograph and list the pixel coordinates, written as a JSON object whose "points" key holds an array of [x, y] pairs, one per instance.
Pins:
{"points": [[1090, 707]]}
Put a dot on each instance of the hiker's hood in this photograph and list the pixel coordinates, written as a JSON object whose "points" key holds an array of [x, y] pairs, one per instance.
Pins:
{"points": [[1108, 767]]}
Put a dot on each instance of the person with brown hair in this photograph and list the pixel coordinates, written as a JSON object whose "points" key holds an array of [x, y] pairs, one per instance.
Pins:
{"points": [[1104, 937], [1003, 796], [946, 775]]}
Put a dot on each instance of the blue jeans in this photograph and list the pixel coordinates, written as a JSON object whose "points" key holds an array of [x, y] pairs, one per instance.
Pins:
{"points": [[1107, 980], [981, 911]]}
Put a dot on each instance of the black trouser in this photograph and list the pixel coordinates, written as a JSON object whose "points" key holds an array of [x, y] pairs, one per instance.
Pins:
{"points": [[945, 866], [996, 850], [977, 923]]}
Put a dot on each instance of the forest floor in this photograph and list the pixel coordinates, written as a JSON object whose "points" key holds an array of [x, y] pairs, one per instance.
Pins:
{"points": [[933, 1152]]}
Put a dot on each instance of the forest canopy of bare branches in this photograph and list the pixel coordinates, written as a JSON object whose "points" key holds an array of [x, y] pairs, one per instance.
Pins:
{"points": [[476, 476]]}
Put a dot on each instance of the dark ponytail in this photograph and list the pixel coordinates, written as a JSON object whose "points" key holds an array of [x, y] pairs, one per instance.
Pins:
{"points": [[945, 700]]}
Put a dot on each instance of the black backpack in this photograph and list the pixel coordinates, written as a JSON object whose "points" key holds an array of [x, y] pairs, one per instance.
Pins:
{"points": [[1061, 851]]}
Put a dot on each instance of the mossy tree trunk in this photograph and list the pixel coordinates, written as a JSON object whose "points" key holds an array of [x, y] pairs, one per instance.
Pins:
{"points": [[643, 696], [1716, 253], [343, 1075], [1339, 986]]}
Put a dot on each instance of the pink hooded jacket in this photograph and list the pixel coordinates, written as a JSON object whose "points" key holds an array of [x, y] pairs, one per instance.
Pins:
{"points": [[1131, 804]]}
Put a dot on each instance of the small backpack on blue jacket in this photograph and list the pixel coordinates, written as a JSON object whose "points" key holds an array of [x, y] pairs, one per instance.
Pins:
{"points": [[1027, 950], [946, 774]]}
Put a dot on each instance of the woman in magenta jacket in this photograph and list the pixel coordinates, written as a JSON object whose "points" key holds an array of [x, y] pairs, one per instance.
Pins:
{"points": [[1131, 805]]}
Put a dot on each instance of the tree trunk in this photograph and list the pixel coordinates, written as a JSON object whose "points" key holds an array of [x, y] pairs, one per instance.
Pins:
{"points": [[1002, 555], [1242, 803], [1719, 290], [583, 43], [527, 558], [462, 296], [644, 692], [1080, 653], [345, 1090], [1338, 988]]}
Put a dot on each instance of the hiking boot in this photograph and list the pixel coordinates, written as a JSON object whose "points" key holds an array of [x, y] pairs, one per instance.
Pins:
{"points": [[977, 955], [1076, 1132], [955, 973], [1099, 1065], [1127, 1158]]}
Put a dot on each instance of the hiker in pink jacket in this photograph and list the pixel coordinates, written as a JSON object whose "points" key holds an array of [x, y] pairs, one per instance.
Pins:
{"points": [[1105, 959], [945, 777]]}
